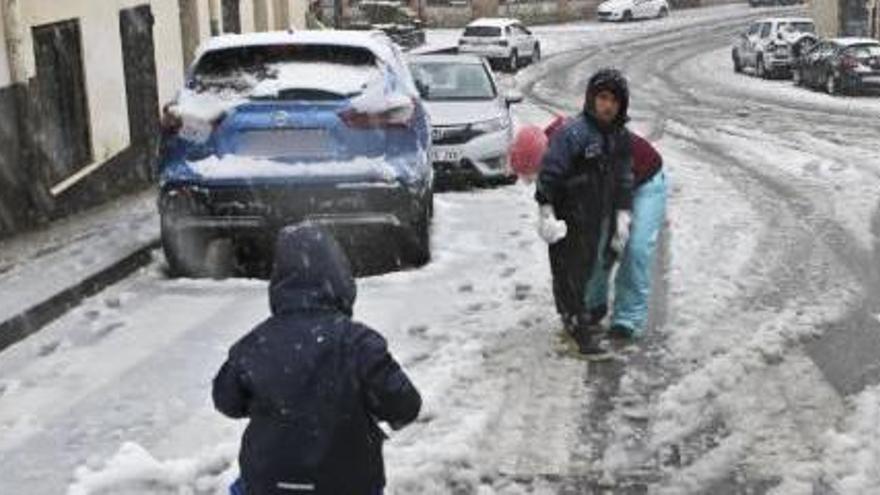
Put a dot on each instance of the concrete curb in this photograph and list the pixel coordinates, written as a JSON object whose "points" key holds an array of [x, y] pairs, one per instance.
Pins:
{"points": [[41, 313]]}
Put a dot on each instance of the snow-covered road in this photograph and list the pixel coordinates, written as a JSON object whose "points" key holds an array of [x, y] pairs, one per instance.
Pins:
{"points": [[760, 370]]}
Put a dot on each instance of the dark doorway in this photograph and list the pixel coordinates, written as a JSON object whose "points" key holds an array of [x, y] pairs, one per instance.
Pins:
{"points": [[854, 18], [231, 16], [63, 140], [141, 88]]}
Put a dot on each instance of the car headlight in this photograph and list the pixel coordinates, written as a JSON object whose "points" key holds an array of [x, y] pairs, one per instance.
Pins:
{"points": [[493, 125]]}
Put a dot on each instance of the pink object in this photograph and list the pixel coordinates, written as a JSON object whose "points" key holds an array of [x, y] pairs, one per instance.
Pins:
{"points": [[527, 150]]}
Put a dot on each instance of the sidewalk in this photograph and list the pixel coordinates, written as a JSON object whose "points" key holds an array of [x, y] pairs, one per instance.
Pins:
{"points": [[45, 272]]}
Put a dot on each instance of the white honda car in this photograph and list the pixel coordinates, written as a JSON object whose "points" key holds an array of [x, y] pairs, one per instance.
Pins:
{"points": [[630, 10], [470, 118]]}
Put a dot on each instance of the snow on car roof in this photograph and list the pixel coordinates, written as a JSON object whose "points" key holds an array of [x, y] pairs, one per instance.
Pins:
{"points": [[376, 42], [855, 41], [494, 22], [445, 58]]}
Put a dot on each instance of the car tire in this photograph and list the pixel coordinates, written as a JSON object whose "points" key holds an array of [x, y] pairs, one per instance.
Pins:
{"points": [[628, 16], [761, 68], [832, 85], [418, 249], [737, 63], [664, 12], [185, 250], [797, 77], [513, 62]]}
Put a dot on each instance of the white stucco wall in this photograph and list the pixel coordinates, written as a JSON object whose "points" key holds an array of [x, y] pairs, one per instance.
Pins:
{"points": [[246, 9], [826, 16], [102, 56], [5, 78]]}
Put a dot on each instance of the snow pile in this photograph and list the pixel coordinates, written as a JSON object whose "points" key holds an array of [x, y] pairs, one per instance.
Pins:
{"points": [[852, 458], [133, 468], [199, 110], [236, 166]]}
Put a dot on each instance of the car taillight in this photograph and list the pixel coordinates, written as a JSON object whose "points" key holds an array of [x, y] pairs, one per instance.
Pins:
{"points": [[171, 121], [849, 63], [400, 116]]}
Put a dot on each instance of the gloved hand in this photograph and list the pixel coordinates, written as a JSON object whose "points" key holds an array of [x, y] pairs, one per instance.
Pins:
{"points": [[550, 228], [621, 237]]}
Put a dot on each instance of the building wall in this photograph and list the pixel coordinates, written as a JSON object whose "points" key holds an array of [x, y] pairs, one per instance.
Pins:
{"points": [[5, 77], [102, 58], [826, 14], [10, 180]]}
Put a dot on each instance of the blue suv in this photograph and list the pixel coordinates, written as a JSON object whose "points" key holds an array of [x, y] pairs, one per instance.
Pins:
{"points": [[277, 128]]}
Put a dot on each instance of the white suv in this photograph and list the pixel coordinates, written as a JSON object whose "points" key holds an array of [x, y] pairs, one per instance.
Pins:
{"points": [[629, 10], [766, 46], [504, 41]]}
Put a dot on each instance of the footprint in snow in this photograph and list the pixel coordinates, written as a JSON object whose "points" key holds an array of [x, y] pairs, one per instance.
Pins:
{"points": [[49, 348], [417, 330], [522, 292]]}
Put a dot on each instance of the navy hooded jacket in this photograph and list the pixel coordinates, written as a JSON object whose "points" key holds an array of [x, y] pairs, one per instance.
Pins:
{"points": [[312, 382]]}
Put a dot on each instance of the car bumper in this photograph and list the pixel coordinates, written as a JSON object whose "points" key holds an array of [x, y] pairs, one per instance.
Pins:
{"points": [[487, 51], [779, 62], [865, 82], [484, 156], [255, 210], [609, 15]]}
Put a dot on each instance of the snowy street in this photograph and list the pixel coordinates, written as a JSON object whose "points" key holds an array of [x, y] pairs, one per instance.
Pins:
{"points": [[760, 372]]}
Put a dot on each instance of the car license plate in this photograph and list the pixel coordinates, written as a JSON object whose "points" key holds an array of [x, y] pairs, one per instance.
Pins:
{"points": [[274, 143], [442, 155]]}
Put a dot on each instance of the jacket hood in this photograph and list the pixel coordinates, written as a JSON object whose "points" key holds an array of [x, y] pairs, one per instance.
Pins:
{"points": [[310, 273], [609, 80]]}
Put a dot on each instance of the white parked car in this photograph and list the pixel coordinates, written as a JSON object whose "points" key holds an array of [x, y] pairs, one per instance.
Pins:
{"points": [[470, 117], [767, 45], [630, 10], [503, 41]]}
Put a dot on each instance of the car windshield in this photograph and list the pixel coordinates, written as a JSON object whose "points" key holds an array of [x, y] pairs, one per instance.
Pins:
{"points": [[864, 51], [453, 81], [798, 27], [482, 31], [336, 69]]}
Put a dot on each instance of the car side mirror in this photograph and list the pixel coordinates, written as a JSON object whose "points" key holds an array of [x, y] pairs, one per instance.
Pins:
{"points": [[514, 97]]}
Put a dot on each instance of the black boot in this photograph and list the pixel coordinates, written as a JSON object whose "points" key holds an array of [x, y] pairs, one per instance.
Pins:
{"points": [[588, 338]]}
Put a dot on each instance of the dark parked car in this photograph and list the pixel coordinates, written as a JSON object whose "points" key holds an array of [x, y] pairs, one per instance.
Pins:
{"points": [[274, 129], [399, 22], [842, 65]]}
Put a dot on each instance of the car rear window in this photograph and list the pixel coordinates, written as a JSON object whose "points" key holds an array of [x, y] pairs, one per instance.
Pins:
{"points": [[798, 27], [442, 81], [864, 51], [482, 31], [270, 69]]}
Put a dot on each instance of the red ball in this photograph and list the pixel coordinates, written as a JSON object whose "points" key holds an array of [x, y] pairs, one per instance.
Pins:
{"points": [[527, 150]]}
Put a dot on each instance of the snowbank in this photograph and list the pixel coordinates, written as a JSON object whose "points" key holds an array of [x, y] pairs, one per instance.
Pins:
{"points": [[138, 471]]}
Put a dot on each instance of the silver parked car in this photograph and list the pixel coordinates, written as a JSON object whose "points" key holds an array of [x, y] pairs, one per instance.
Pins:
{"points": [[472, 128], [767, 45]]}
